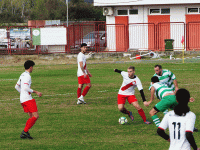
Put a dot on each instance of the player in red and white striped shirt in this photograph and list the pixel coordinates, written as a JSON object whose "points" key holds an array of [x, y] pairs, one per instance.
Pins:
{"points": [[127, 91], [23, 86]]}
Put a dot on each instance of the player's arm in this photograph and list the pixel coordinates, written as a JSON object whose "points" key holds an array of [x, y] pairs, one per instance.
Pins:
{"points": [[142, 95], [81, 66], [32, 91], [90, 75], [118, 71], [152, 97], [176, 85], [161, 132], [191, 140], [17, 87], [140, 88], [162, 127], [173, 77]]}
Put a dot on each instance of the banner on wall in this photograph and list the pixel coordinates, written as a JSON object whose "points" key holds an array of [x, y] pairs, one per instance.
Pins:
{"points": [[49, 36]]}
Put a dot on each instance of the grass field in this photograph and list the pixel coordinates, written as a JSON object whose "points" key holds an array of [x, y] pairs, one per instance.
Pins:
{"points": [[65, 125]]}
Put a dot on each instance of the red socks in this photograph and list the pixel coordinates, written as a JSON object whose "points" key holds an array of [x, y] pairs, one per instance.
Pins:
{"points": [[142, 114], [30, 122], [79, 92], [86, 89]]}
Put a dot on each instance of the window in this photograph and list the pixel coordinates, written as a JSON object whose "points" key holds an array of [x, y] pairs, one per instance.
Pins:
{"points": [[122, 12], [165, 11], [133, 11], [159, 11], [154, 11], [192, 10]]}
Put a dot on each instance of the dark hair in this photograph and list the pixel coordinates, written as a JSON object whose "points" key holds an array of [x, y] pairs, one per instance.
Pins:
{"points": [[154, 79], [159, 66], [28, 64], [83, 44], [183, 97], [131, 67]]}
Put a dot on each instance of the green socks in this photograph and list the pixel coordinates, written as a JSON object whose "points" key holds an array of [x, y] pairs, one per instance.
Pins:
{"points": [[156, 120]]}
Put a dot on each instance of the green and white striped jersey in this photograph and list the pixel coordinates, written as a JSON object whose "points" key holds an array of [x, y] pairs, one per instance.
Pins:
{"points": [[161, 90], [167, 78]]}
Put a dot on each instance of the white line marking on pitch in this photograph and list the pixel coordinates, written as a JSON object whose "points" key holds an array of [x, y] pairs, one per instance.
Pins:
{"points": [[53, 95], [189, 84], [7, 79]]}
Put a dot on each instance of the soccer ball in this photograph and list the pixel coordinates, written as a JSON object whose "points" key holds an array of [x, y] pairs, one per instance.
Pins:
{"points": [[123, 120]]}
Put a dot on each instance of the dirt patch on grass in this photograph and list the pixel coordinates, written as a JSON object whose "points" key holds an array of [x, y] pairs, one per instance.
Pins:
{"points": [[55, 59]]}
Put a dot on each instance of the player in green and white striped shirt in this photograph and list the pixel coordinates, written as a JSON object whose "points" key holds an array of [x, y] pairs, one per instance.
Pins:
{"points": [[165, 94], [166, 77]]}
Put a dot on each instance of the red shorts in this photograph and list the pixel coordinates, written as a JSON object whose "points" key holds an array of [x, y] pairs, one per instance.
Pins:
{"points": [[121, 99], [82, 80], [30, 106]]}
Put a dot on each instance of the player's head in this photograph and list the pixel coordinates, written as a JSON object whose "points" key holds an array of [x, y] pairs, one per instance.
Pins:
{"points": [[182, 97], [154, 79], [131, 71], [28, 65], [83, 47], [158, 69]]}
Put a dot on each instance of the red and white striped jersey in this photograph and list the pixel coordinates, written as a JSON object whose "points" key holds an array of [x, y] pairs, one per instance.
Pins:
{"points": [[128, 85], [24, 84]]}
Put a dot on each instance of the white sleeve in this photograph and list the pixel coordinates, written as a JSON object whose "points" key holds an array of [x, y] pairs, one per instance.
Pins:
{"points": [[123, 73], [27, 81], [27, 88], [18, 86], [139, 84], [164, 123], [190, 122]]}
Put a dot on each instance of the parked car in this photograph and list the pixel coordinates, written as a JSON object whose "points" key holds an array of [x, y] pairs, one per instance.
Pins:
{"points": [[92, 39]]}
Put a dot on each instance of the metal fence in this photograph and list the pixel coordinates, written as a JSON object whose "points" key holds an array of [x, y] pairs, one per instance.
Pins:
{"points": [[101, 37]]}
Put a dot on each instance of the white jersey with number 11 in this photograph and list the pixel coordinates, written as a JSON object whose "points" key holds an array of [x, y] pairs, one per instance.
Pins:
{"points": [[178, 125]]}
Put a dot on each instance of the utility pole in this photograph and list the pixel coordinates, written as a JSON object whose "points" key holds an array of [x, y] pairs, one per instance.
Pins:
{"points": [[67, 12]]}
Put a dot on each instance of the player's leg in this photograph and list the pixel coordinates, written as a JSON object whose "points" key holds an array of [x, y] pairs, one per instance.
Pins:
{"points": [[140, 111], [79, 90], [121, 99], [165, 112], [86, 89], [31, 109], [31, 121], [154, 117]]}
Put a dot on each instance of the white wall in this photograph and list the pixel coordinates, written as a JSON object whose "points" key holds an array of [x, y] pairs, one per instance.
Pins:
{"points": [[111, 33]]}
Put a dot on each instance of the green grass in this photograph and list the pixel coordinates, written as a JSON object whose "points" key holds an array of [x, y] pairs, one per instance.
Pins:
{"points": [[64, 125]]}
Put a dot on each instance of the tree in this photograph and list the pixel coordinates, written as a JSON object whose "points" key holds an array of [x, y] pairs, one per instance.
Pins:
{"points": [[79, 10], [22, 10]]}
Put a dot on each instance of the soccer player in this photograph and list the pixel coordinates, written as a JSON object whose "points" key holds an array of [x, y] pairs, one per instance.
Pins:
{"points": [[180, 122], [83, 75], [23, 86], [165, 94], [166, 77], [130, 81]]}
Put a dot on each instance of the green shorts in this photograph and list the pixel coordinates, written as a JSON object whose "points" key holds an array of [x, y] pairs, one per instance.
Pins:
{"points": [[167, 102]]}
